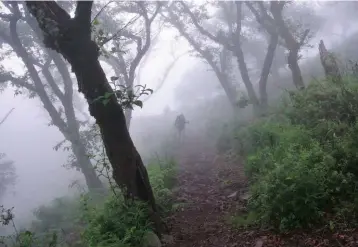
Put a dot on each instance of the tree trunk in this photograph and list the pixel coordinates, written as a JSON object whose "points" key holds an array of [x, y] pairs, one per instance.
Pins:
{"points": [[128, 169], [292, 61], [127, 165], [71, 133], [71, 37], [271, 49], [92, 180], [329, 63], [128, 115], [246, 79]]}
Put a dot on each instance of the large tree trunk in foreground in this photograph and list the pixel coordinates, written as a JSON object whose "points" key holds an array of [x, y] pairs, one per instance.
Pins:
{"points": [[72, 38]]}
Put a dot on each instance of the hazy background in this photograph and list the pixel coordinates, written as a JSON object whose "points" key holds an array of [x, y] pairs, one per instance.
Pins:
{"points": [[27, 139]]}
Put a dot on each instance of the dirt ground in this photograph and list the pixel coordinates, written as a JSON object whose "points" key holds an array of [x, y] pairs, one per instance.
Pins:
{"points": [[210, 191]]}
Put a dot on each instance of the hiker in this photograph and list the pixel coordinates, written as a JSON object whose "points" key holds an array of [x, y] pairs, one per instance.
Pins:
{"points": [[180, 123]]}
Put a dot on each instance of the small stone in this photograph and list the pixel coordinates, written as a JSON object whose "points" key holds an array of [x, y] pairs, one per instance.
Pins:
{"points": [[232, 195], [150, 239], [167, 239], [245, 196], [259, 243]]}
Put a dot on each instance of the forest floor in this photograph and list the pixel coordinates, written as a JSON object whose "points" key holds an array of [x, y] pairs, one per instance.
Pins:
{"points": [[210, 191]]}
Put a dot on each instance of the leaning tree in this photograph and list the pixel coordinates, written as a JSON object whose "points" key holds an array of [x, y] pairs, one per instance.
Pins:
{"points": [[230, 36], [71, 37], [47, 77]]}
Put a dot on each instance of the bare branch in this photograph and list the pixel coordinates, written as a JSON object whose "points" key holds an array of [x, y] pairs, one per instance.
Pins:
{"points": [[303, 38], [146, 56], [166, 73], [6, 116], [55, 88], [238, 21], [202, 30], [5, 77], [142, 50], [119, 32], [157, 10], [101, 10]]}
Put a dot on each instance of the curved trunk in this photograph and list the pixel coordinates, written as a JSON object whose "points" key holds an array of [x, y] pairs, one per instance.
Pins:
{"points": [[71, 132], [71, 37], [271, 49], [246, 79], [292, 61], [115, 66], [128, 168]]}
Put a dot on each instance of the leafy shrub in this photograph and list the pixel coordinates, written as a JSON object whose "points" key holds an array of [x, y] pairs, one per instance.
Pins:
{"points": [[124, 224], [162, 175], [105, 221], [117, 223], [302, 161]]}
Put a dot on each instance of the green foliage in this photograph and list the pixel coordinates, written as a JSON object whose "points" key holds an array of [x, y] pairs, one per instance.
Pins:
{"points": [[127, 96], [124, 224], [96, 220], [117, 223], [162, 174], [241, 220], [301, 161]]}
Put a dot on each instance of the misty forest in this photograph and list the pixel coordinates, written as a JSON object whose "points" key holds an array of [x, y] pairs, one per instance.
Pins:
{"points": [[178, 124]]}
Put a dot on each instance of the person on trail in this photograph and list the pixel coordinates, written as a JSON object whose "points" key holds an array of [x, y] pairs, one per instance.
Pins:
{"points": [[180, 123]]}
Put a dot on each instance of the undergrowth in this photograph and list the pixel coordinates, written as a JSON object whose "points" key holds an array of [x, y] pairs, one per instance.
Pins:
{"points": [[98, 221], [302, 159]]}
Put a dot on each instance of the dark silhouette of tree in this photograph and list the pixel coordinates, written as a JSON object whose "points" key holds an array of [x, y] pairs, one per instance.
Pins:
{"points": [[71, 37], [294, 38], [24, 37], [216, 58], [231, 41]]}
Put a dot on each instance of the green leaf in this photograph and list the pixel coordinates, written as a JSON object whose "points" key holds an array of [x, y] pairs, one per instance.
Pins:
{"points": [[331, 225], [95, 22], [107, 95], [105, 101], [138, 103], [150, 90]]}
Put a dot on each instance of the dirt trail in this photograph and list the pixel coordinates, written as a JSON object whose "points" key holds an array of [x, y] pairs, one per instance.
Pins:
{"points": [[202, 218]]}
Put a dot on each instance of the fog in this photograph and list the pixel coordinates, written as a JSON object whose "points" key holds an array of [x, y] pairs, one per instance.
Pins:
{"points": [[191, 87]]}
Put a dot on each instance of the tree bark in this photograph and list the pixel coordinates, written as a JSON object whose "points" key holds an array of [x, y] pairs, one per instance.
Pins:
{"points": [[329, 63], [292, 61], [71, 37], [71, 131], [292, 44], [271, 50], [128, 115]]}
